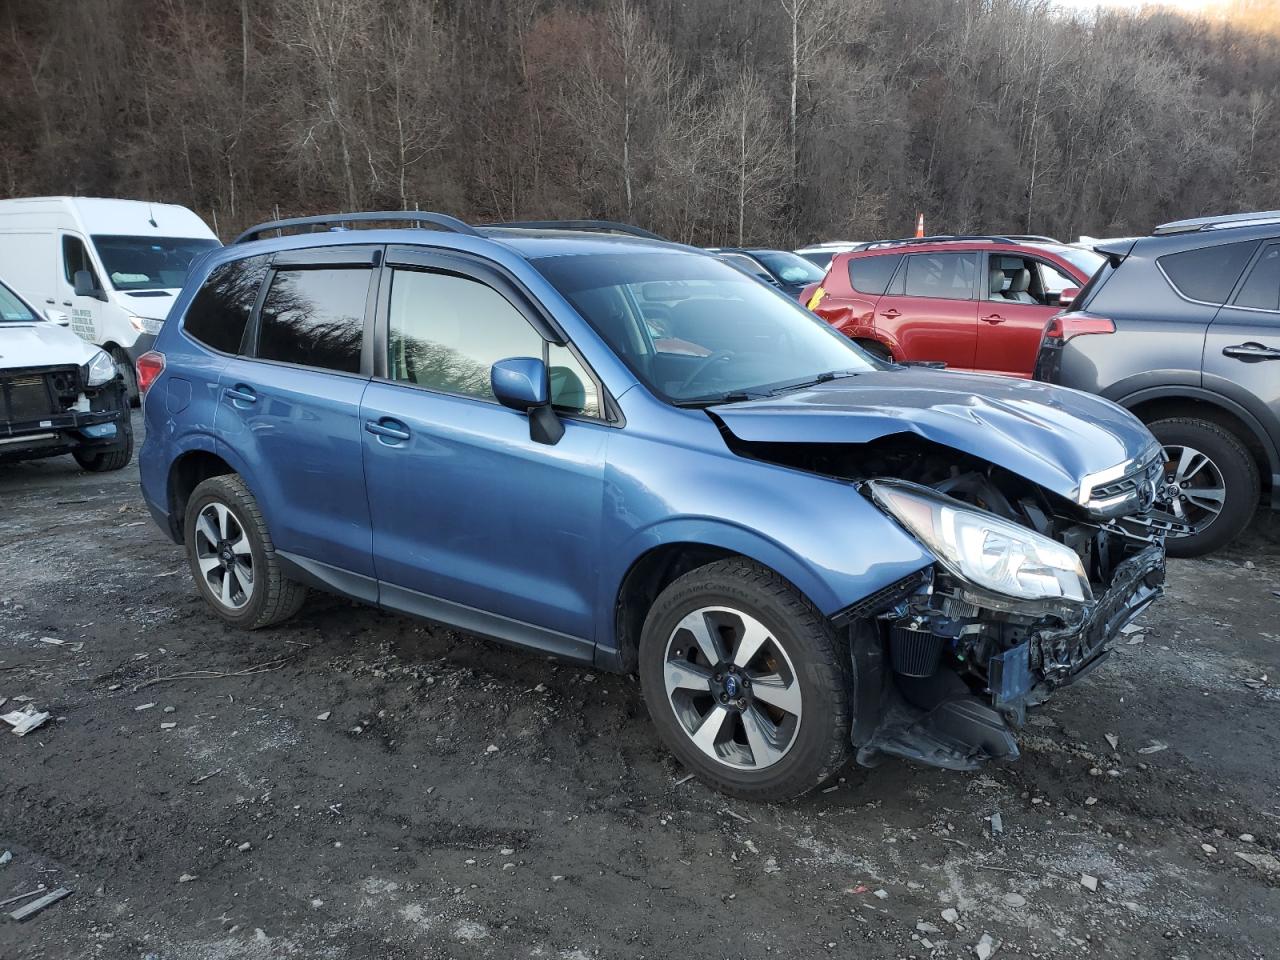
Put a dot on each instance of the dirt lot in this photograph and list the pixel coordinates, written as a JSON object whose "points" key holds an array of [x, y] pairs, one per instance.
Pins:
{"points": [[464, 800]]}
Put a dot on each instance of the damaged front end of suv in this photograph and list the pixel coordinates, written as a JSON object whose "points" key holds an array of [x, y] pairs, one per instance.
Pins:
{"points": [[1031, 580]]}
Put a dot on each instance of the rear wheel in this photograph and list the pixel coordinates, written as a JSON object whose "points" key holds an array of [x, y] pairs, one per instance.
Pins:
{"points": [[232, 558], [1210, 483], [743, 680]]}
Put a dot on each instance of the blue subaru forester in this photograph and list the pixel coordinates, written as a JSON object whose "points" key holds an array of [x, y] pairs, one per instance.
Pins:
{"points": [[626, 453]]}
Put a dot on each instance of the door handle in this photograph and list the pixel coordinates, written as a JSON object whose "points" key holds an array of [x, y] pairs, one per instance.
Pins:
{"points": [[891, 313], [49, 300], [66, 303], [994, 318], [387, 431], [240, 394], [1251, 352]]}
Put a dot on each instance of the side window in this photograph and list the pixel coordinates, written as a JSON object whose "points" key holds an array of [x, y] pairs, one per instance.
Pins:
{"points": [[315, 318], [75, 257], [946, 276], [218, 314], [1207, 274], [446, 332], [746, 265], [1261, 290], [871, 275], [1053, 281], [572, 388]]}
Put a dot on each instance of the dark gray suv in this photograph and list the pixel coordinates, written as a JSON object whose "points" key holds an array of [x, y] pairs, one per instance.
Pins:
{"points": [[1183, 328]]}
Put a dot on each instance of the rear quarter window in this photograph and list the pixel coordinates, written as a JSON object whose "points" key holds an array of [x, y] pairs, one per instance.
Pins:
{"points": [[218, 314], [871, 275], [1207, 274]]}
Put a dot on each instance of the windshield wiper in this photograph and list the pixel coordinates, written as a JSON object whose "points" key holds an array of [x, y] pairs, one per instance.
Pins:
{"points": [[820, 378], [734, 396]]}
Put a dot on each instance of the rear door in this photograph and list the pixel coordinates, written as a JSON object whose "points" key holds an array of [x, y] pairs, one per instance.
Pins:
{"points": [[930, 311], [289, 408], [1242, 346]]}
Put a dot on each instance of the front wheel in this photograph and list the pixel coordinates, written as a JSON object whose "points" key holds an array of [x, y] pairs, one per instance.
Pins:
{"points": [[232, 558], [113, 458], [743, 679], [1210, 484], [125, 366]]}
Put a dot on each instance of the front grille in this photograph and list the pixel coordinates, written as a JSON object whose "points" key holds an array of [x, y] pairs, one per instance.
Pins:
{"points": [[1134, 492], [37, 394]]}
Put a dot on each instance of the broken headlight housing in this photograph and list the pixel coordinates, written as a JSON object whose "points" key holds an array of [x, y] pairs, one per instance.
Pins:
{"points": [[101, 369], [981, 550]]}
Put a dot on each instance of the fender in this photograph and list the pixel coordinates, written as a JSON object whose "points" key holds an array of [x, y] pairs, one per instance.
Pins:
{"points": [[1212, 397]]}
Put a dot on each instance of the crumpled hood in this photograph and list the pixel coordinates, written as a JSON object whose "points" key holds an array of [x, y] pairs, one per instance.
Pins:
{"points": [[41, 344], [1052, 436]]}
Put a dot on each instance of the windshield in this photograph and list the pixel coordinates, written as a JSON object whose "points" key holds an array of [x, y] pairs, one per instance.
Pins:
{"points": [[1086, 261], [12, 309], [695, 330], [148, 263], [789, 267]]}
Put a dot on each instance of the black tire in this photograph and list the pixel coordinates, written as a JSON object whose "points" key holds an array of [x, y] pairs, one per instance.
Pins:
{"points": [[820, 747], [113, 458], [129, 373], [1239, 475], [274, 597]]}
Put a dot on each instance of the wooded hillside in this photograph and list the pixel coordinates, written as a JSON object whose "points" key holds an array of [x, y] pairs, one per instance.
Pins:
{"points": [[769, 121]]}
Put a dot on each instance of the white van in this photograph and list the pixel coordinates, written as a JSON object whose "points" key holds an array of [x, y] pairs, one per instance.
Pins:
{"points": [[114, 265]]}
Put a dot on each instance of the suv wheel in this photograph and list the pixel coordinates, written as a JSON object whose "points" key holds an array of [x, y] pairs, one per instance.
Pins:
{"points": [[114, 458], [232, 557], [130, 375], [743, 680], [1211, 483]]}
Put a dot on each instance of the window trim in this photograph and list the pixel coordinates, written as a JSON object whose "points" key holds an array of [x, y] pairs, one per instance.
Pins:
{"points": [[1244, 278], [453, 263], [250, 341]]}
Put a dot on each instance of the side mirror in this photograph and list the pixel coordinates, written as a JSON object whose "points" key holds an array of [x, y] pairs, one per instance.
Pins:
{"points": [[1067, 295], [58, 317], [86, 287], [521, 383]]}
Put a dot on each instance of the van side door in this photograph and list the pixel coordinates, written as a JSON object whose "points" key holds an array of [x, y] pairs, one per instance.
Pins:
{"points": [[86, 312]]}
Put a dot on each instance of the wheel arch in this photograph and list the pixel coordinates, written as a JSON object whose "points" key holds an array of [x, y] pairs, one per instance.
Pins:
{"points": [[186, 473], [1162, 402], [671, 557]]}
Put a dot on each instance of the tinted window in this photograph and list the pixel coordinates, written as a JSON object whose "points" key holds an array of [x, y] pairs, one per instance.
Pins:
{"points": [[572, 388], [219, 312], [1262, 287], [1207, 274], [446, 332], [74, 258], [871, 275], [948, 276], [315, 318]]}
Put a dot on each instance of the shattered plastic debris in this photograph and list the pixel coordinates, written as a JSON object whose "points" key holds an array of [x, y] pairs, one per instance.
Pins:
{"points": [[1088, 882], [1155, 747], [25, 720], [985, 947], [997, 824], [1113, 740]]}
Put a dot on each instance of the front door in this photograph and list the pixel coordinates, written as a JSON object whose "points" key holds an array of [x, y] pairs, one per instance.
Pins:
{"points": [[1020, 296], [474, 522], [86, 312], [289, 409], [929, 311], [1242, 345]]}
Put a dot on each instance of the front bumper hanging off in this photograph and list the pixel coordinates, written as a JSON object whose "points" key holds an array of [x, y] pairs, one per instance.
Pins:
{"points": [[940, 720]]}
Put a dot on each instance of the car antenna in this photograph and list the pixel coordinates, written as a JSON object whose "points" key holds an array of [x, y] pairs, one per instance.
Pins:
{"points": [[151, 215]]}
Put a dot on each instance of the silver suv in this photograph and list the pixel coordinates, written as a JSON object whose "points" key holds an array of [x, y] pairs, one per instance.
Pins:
{"points": [[1183, 328]]}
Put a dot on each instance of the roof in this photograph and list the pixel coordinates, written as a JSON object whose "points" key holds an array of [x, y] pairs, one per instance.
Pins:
{"points": [[113, 215]]}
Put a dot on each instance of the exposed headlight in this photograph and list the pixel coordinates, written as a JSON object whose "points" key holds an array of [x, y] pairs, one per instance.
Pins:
{"points": [[101, 369], [145, 325], [984, 550]]}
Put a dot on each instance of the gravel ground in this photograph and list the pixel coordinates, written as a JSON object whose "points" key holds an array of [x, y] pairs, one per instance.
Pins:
{"points": [[359, 785]]}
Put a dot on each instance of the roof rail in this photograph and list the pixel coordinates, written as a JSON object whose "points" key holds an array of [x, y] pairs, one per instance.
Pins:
{"points": [[1033, 238], [939, 238], [1217, 223], [602, 226], [336, 220]]}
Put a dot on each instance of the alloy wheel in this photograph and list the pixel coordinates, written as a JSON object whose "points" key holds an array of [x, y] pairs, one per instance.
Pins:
{"points": [[732, 687], [1194, 490], [224, 556]]}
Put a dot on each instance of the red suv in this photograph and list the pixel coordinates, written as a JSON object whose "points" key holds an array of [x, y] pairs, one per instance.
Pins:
{"points": [[974, 303]]}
